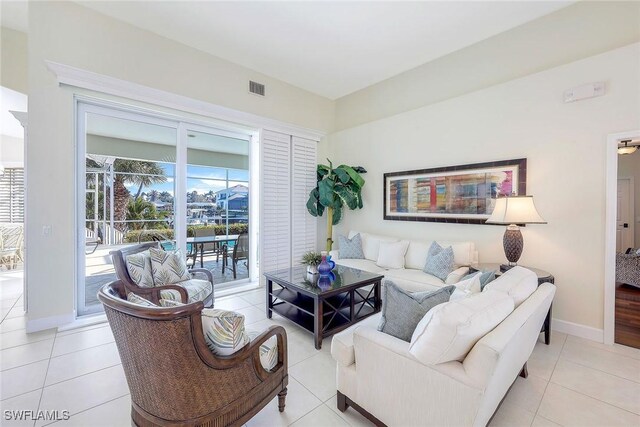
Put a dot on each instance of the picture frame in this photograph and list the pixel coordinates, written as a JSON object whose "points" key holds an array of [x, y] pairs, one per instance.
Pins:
{"points": [[463, 194]]}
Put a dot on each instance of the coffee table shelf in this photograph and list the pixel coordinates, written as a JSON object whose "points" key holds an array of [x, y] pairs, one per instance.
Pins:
{"points": [[351, 297]]}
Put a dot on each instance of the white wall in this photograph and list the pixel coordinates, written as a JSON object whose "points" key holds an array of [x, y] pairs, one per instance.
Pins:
{"points": [[11, 151], [565, 148], [629, 166], [66, 33], [13, 59]]}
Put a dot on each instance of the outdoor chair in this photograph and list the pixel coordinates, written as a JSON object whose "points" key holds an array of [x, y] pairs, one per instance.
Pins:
{"points": [[11, 240], [240, 252], [153, 294], [173, 377]]}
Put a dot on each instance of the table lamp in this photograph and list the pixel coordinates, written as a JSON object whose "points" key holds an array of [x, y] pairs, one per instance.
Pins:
{"points": [[513, 211]]}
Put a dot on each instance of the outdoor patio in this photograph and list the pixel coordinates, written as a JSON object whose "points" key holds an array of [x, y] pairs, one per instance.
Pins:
{"points": [[99, 271]]}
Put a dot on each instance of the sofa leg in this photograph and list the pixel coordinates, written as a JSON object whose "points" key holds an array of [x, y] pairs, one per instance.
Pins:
{"points": [[524, 373], [281, 399], [342, 402]]}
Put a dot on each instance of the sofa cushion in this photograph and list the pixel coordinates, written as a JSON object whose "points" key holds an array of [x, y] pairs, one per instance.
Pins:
{"points": [[351, 248], [518, 282], [371, 244], [449, 331], [342, 343], [197, 290], [440, 261], [223, 331], [391, 254], [402, 310], [268, 350], [139, 268], [463, 253], [420, 281], [360, 264], [168, 267]]}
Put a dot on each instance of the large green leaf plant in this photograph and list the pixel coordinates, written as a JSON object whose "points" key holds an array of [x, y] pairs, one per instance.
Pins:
{"points": [[337, 188]]}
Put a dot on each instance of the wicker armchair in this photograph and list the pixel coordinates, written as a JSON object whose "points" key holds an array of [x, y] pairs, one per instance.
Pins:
{"points": [[174, 378], [152, 294]]}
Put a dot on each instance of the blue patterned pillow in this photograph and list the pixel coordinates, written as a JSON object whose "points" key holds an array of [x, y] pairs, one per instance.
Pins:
{"points": [[351, 248], [485, 277], [439, 261]]}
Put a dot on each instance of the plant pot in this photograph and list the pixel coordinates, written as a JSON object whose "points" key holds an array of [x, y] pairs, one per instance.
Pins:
{"points": [[312, 269]]}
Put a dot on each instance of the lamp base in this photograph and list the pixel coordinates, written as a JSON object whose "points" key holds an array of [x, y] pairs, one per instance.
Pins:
{"points": [[513, 245]]}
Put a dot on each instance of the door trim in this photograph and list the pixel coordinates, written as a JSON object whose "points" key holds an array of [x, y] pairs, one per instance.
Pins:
{"points": [[611, 196], [632, 206]]}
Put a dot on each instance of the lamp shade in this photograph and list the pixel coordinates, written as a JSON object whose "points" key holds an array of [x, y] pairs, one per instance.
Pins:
{"points": [[515, 210]]}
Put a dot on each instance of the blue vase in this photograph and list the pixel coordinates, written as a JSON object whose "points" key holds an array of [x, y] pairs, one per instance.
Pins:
{"points": [[325, 267], [325, 281]]}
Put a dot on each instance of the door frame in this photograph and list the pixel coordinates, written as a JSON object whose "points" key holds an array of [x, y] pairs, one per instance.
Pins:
{"points": [[611, 196], [632, 206]]}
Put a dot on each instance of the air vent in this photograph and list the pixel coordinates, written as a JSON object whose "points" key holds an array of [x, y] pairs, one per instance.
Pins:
{"points": [[256, 88]]}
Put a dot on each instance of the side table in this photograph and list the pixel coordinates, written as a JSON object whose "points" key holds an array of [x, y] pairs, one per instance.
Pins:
{"points": [[543, 277]]}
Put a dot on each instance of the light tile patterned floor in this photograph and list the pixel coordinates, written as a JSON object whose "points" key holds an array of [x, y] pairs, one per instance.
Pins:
{"points": [[572, 382]]}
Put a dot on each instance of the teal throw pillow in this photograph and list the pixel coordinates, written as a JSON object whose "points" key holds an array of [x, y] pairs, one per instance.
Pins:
{"points": [[486, 277]]}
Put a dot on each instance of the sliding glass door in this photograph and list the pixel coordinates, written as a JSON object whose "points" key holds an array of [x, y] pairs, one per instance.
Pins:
{"points": [[146, 177]]}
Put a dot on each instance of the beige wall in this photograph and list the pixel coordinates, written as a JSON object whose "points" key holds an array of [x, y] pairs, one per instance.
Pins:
{"points": [[565, 148], [13, 59], [575, 32], [629, 166], [70, 34]]}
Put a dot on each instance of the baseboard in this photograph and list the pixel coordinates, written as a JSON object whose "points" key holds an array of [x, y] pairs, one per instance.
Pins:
{"points": [[577, 330], [43, 323]]}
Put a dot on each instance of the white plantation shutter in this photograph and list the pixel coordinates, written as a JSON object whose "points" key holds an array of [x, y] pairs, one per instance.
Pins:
{"points": [[303, 180], [12, 195], [275, 227]]}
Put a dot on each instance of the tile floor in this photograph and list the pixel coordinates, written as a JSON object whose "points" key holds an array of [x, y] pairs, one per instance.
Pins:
{"points": [[572, 382]]}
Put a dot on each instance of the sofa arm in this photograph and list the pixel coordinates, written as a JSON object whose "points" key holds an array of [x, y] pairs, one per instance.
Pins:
{"points": [[335, 254], [456, 275]]}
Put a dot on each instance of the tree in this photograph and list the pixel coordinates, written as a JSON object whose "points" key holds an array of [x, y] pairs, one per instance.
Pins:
{"points": [[141, 210], [336, 188]]}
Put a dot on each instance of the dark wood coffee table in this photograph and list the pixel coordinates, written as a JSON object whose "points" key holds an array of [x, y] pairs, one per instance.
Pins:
{"points": [[327, 308]]}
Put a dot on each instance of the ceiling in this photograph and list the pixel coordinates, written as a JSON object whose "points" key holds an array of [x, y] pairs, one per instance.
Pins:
{"points": [[330, 48], [139, 131]]}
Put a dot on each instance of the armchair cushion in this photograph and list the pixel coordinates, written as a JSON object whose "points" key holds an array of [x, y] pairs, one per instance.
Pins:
{"points": [[197, 290], [168, 267], [139, 268], [268, 350], [224, 331], [136, 299]]}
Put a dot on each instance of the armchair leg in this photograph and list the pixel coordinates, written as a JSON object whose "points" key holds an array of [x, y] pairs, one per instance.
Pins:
{"points": [[342, 402], [281, 399]]}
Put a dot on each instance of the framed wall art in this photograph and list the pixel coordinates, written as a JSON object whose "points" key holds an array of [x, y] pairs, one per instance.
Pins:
{"points": [[463, 194]]}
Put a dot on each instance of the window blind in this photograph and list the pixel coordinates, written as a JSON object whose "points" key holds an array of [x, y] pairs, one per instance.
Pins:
{"points": [[12, 195]]}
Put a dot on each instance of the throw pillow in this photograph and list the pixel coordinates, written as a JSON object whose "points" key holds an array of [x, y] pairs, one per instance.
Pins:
{"points": [[471, 283], [439, 261], [449, 331], [170, 303], [137, 299], [168, 267], [486, 277], [268, 350], [391, 254], [402, 310], [139, 268], [223, 331], [350, 248]]}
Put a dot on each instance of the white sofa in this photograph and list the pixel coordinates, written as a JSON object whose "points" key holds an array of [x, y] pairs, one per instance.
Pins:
{"points": [[377, 372], [411, 277]]}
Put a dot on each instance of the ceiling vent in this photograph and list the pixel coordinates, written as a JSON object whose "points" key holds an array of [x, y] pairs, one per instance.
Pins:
{"points": [[256, 88]]}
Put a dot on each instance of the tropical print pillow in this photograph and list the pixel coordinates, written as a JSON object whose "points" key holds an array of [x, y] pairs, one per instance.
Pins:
{"points": [[137, 299], [168, 267], [139, 268], [268, 350], [223, 331]]}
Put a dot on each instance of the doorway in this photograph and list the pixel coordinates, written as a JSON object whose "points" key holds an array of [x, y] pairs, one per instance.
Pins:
{"points": [[143, 176], [622, 263]]}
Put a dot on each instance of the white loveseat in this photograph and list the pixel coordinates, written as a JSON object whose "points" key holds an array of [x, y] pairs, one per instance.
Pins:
{"points": [[379, 374], [411, 277]]}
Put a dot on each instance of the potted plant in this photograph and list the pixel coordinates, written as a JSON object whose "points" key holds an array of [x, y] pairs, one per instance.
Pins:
{"points": [[312, 260], [336, 188]]}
